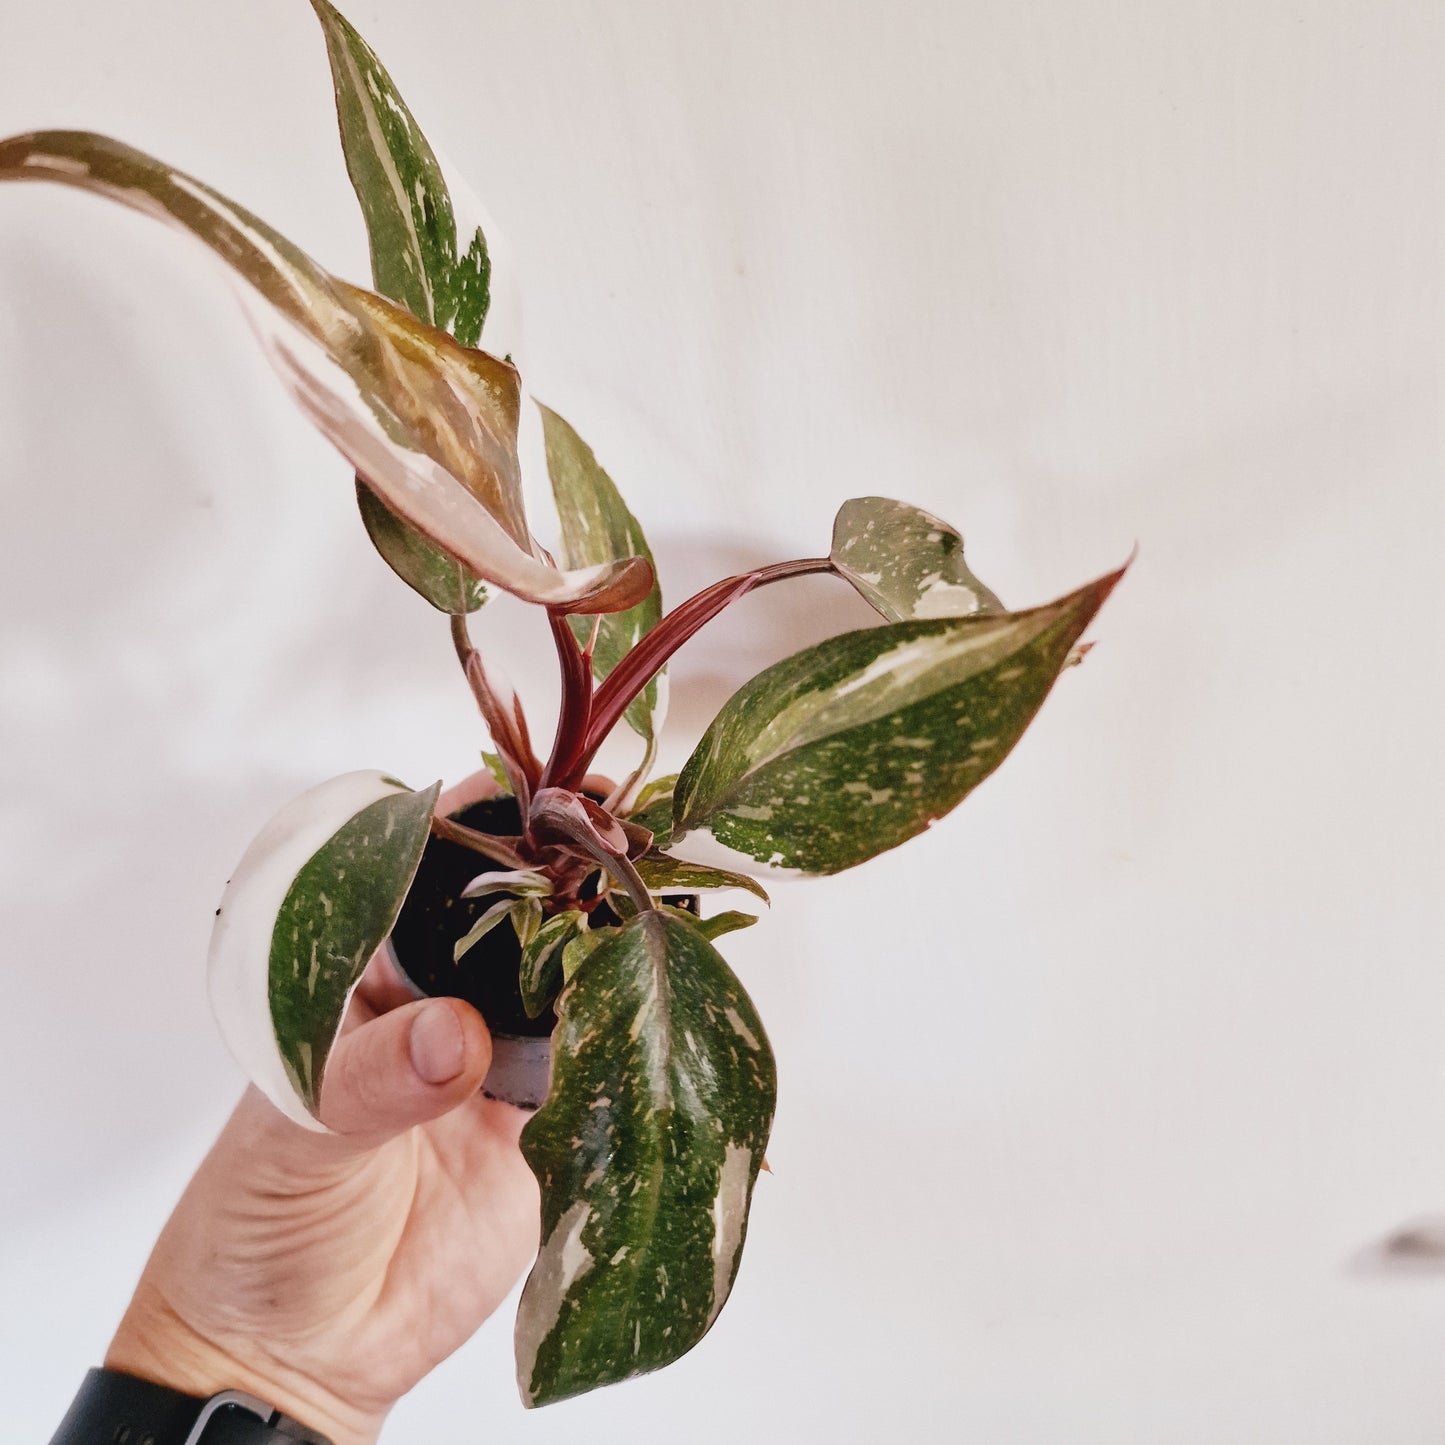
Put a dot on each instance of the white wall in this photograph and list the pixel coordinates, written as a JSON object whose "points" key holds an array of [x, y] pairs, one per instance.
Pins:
{"points": [[1169, 1048]]}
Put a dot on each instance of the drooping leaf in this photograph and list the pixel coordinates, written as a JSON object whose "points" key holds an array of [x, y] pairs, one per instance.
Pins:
{"points": [[541, 966], [905, 562], [597, 527], [417, 259], [419, 562], [849, 748], [431, 425], [310, 902], [664, 874], [646, 1149]]}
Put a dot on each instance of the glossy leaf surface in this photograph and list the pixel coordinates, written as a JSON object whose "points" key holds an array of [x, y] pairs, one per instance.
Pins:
{"points": [[646, 1149], [597, 528], [415, 261], [417, 258], [854, 746], [906, 562], [663, 874], [430, 424], [541, 966], [310, 902]]}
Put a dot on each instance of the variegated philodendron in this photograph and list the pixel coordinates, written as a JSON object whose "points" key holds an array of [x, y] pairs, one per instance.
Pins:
{"points": [[649, 1143]]}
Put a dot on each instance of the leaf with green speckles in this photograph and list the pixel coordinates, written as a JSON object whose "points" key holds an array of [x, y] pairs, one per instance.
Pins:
{"points": [[310, 902], [653, 809], [646, 1150], [334, 917], [849, 748], [415, 261], [597, 527], [720, 923], [430, 424], [905, 562], [541, 966], [663, 874]]}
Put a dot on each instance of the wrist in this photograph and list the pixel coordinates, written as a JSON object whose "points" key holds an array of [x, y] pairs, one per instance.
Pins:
{"points": [[154, 1343]]}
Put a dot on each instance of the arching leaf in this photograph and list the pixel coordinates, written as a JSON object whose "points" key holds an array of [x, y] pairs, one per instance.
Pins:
{"points": [[310, 902], [906, 562], [849, 748], [430, 424]]}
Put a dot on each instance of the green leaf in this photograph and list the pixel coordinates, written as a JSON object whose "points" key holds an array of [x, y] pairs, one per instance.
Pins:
{"points": [[499, 913], [653, 809], [719, 924], [420, 563], [541, 966], [646, 1149], [414, 262], [309, 903], [905, 562], [597, 528], [849, 748], [498, 769], [430, 424], [415, 257], [578, 950], [664, 874]]}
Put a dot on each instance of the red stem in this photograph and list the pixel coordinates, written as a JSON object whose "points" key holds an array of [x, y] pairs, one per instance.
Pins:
{"points": [[627, 680], [576, 709]]}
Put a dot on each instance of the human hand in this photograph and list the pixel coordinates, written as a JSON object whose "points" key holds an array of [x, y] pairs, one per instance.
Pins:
{"points": [[328, 1273]]}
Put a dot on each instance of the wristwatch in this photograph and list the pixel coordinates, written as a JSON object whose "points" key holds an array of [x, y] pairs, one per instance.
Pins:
{"points": [[117, 1409]]}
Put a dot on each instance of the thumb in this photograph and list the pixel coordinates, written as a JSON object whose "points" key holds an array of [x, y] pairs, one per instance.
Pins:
{"points": [[406, 1067]]}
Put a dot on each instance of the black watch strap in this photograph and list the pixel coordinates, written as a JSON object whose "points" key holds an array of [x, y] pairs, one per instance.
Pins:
{"points": [[117, 1409]]}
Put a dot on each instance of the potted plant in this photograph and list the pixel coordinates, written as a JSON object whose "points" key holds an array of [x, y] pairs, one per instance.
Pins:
{"points": [[570, 901]]}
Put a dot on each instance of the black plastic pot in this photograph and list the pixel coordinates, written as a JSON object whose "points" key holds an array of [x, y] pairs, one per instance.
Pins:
{"points": [[434, 916]]}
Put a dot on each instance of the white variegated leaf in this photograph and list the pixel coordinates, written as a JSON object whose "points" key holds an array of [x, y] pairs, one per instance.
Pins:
{"points": [[430, 424], [906, 562], [646, 1150], [309, 903], [851, 747]]}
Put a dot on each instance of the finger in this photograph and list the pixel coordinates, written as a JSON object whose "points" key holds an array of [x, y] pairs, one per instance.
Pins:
{"points": [[382, 988], [407, 1067]]}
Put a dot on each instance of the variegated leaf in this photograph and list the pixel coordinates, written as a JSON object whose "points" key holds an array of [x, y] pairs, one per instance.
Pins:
{"points": [[664, 874], [578, 949], [720, 923], [417, 259], [310, 902], [430, 424], [849, 748], [905, 562], [646, 1149], [494, 917], [415, 262], [419, 562], [541, 966], [597, 527], [653, 809]]}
